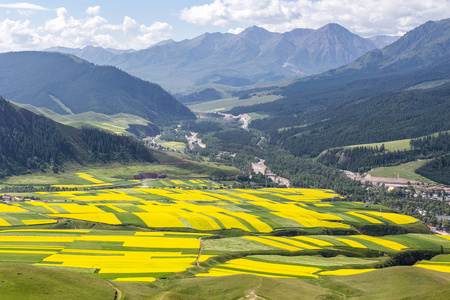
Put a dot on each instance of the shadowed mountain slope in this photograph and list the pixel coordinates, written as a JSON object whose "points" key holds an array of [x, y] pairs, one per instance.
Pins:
{"points": [[67, 84]]}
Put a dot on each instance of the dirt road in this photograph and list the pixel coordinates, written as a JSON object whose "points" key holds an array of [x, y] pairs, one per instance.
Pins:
{"points": [[260, 167]]}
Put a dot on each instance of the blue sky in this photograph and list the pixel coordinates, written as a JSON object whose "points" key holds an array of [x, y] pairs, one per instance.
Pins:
{"points": [[137, 24]]}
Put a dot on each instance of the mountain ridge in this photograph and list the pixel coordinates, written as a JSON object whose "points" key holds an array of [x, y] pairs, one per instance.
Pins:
{"points": [[395, 93], [65, 83], [249, 57]]}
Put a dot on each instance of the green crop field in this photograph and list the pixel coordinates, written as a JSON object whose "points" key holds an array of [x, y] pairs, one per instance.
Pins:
{"points": [[117, 123], [119, 174], [397, 145], [390, 146], [229, 103], [405, 171], [172, 145]]}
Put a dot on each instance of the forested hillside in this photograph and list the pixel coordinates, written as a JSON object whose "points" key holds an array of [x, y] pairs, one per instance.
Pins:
{"points": [[364, 158], [395, 93], [381, 118], [67, 84], [29, 142]]}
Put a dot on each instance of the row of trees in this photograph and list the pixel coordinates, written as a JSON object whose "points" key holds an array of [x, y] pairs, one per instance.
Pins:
{"points": [[361, 159], [437, 169]]}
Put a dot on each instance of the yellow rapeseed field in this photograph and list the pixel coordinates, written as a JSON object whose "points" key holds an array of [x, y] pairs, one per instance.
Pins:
{"points": [[345, 272], [272, 243], [160, 220], [73, 208], [380, 241], [435, 266], [253, 220], [39, 222], [269, 269], [292, 242], [228, 221], [199, 221], [147, 241], [104, 217], [395, 218], [90, 178], [360, 214], [10, 208], [351, 243], [4, 223], [313, 241], [136, 279], [130, 264]]}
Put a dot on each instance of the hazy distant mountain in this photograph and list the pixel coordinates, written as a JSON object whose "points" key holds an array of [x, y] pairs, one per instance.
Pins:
{"points": [[421, 55], [252, 56], [96, 55], [67, 84], [381, 41], [427, 45]]}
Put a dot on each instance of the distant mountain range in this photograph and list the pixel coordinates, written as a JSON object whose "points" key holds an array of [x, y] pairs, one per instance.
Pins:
{"points": [[252, 56], [421, 55], [67, 84], [398, 92]]}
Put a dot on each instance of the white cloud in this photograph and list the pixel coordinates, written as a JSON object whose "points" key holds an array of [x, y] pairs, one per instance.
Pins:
{"points": [[26, 12], [369, 17], [24, 6], [152, 34], [129, 25], [68, 31], [17, 33], [62, 21], [93, 10], [236, 30]]}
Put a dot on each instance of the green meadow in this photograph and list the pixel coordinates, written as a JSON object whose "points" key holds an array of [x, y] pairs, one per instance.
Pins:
{"points": [[405, 171]]}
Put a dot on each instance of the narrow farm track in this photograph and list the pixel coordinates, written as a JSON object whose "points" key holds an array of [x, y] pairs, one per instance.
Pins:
{"points": [[199, 251], [251, 295], [118, 294]]}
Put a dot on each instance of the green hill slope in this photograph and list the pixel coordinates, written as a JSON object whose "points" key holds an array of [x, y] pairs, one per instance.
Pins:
{"points": [[67, 84], [391, 283], [31, 142], [119, 123], [20, 281]]}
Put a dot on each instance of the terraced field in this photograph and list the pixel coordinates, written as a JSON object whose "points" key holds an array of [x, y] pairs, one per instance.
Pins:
{"points": [[186, 230], [258, 211], [440, 263], [122, 256]]}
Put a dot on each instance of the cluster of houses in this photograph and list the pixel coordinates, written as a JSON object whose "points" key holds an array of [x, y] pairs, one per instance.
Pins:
{"points": [[141, 176], [9, 198]]}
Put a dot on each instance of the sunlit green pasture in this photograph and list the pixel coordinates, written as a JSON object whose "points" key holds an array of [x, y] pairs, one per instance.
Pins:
{"points": [[405, 171], [226, 104]]}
